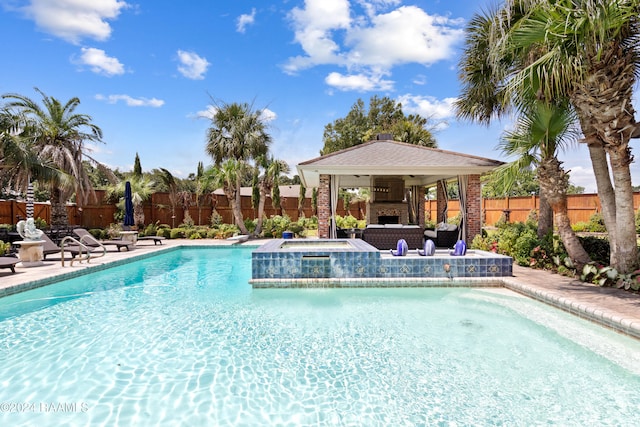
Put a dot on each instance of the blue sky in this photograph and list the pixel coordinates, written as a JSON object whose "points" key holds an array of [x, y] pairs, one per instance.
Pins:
{"points": [[148, 71]]}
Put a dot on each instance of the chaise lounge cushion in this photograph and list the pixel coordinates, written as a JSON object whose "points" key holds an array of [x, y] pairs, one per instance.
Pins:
{"points": [[9, 262]]}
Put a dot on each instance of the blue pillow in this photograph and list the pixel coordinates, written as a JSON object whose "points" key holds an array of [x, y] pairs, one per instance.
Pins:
{"points": [[429, 248], [402, 248], [460, 248]]}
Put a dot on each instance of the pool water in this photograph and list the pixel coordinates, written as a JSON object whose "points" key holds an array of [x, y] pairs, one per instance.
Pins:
{"points": [[183, 339]]}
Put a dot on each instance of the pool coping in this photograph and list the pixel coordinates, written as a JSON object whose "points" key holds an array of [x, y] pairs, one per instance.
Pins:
{"points": [[612, 308]]}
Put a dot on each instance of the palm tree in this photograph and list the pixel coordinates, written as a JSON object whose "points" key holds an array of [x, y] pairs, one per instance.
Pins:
{"points": [[237, 133], [20, 162], [141, 189], [170, 182], [226, 176], [59, 135], [202, 191], [538, 136], [272, 169], [586, 52]]}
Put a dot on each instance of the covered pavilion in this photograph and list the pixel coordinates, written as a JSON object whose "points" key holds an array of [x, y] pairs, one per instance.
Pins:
{"points": [[397, 174]]}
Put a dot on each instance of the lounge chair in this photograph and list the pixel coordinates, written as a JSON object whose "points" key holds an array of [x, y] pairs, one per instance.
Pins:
{"points": [[156, 239], [50, 248], [9, 262], [87, 238]]}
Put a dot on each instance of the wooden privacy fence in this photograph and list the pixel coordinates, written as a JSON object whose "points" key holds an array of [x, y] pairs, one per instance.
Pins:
{"points": [[100, 214], [517, 209]]}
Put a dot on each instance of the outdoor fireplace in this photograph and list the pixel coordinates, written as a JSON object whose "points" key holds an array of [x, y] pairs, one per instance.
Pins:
{"points": [[388, 219], [387, 213]]}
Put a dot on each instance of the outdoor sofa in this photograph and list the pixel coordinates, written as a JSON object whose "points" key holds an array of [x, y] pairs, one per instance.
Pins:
{"points": [[444, 236], [386, 236]]}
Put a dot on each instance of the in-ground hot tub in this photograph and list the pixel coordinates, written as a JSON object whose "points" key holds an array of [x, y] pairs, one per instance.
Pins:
{"points": [[281, 259]]}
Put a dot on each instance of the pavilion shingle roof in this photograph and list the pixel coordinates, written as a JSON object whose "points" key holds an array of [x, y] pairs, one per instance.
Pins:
{"points": [[392, 154]]}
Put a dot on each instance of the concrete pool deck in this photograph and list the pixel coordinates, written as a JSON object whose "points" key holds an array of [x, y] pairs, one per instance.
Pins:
{"points": [[613, 308]]}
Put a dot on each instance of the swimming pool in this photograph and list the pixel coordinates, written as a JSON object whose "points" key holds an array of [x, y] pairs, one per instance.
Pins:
{"points": [[183, 339]]}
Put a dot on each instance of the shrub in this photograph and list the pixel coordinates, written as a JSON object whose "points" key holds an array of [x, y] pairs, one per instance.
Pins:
{"points": [[164, 232], [216, 218], [4, 247], [40, 223], [150, 230], [112, 231], [596, 224], [250, 224], [98, 233], [196, 234], [223, 231], [597, 248], [176, 233], [187, 222], [275, 225]]}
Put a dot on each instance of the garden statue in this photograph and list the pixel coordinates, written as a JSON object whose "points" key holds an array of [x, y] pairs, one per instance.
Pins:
{"points": [[28, 231]]}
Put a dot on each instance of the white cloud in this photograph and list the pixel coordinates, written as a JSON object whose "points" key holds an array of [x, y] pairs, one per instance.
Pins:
{"points": [[130, 101], [330, 33], [73, 20], [428, 106], [208, 113], [358, 82], [267, 115], [407, 34], [100, 63], [244, 20], [314, 26], [193, 66]]}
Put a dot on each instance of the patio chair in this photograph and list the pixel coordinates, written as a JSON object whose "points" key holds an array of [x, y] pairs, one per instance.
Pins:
{"points": [[9, 262], [87, 238], [49, 247], [156, 239]]}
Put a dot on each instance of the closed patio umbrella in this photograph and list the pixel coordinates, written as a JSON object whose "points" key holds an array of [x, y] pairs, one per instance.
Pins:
{"points": [[128, 206]]}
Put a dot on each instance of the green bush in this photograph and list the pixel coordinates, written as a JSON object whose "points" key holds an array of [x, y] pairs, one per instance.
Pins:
{"points": [[176, 233], [150, 230], [597, 248], [40, 223], [250, 224], [97, 233], [216, 219], [4, 247], [524, 246], [164, 232], [275, 225]]}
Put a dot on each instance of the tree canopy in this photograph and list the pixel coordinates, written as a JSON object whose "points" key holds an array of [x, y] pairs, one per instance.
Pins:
{"points": [[383, 116]]}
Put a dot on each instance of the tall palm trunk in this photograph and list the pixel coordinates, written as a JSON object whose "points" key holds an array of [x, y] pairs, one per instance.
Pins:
{"points": [[545, 215], [261, 203], [59, 217], [138, 215], [555, 181], [606, 194], [236, 206], [604, 104]]}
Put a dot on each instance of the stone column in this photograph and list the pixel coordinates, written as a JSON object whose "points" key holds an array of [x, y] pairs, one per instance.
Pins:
{"points": [[324, 206], [474, 208]]}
